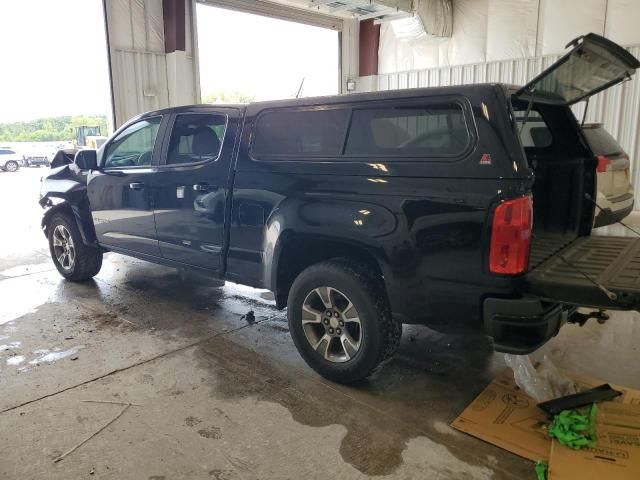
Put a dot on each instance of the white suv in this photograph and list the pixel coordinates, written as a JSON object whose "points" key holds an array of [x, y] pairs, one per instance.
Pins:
{"points": [[615, 192], [10, 161]]}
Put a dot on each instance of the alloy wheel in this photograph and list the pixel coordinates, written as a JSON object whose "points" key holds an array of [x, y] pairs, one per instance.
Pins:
{"points": [[331, 324], [63, 247]]}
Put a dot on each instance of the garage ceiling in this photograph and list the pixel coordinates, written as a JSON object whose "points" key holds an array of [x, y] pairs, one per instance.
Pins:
{"points": [[381, 10], [281, 10], [321, 13]]}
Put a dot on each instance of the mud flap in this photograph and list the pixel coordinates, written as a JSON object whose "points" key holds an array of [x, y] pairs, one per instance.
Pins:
{"points": [[598, 271]]}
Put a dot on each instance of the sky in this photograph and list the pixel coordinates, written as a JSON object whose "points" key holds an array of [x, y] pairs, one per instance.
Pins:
{"points": [[53, 59], [264, 57]]}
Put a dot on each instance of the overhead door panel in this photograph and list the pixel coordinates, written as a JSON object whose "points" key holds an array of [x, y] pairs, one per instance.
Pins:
{"points": [[282, 12]]}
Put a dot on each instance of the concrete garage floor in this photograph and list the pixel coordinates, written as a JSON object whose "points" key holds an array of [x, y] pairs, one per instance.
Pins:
{"points": [[219, 398]]}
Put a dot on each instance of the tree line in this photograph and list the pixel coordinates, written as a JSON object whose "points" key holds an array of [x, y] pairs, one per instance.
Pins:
{"points": [[63, 128], [49, 129]]}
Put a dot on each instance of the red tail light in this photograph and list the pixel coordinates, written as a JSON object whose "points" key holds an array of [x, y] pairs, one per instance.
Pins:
{"points": [[511, 236], [603, 163]]}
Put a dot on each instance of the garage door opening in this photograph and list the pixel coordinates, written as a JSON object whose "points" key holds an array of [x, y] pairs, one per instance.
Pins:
{"points": [[245, 57], [54, 79]]}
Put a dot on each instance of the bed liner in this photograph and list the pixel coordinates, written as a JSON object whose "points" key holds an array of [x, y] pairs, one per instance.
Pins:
{"points": [[593, 271]]}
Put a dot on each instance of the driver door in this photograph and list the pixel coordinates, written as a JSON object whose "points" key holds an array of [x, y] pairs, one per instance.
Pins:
{"points": [[119, 193]]}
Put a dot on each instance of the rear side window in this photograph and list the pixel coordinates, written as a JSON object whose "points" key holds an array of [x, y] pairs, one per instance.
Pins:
{"points": [[300, 132], [601, 142], [438, 130], [536, 132], [7, 152], [196, 138]]}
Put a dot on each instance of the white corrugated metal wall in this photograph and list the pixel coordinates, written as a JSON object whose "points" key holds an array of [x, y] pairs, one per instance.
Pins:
{"points": [[617, 108], [140, 72]]}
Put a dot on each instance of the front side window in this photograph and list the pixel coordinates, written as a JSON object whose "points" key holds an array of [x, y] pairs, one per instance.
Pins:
{"points": [[196, 138], [438, 130], [133, 147], [302, 133]]}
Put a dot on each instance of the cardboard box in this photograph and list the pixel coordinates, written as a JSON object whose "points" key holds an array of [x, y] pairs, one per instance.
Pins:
{"points": [[616, 455], [505, 416]]}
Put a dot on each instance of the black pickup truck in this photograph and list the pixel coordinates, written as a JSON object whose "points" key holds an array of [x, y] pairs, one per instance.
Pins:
{"points": [[362, 212]]}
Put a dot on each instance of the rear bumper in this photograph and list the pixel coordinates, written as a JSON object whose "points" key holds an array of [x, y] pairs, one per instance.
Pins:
{"points": [[522, 325], [607, 216]]}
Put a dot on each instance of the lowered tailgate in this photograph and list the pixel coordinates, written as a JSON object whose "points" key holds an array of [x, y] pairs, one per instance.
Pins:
{"points": [[595, 271]]}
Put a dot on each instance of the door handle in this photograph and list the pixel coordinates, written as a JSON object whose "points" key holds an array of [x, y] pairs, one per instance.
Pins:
{"points": [[204, 187], [136, 186]]}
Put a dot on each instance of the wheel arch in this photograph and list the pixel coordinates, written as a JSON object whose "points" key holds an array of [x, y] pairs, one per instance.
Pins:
{"points": [[78, 211], [296, 251]]}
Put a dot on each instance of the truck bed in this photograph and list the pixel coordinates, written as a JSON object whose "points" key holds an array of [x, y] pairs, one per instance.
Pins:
{"points": [[545, 245]]}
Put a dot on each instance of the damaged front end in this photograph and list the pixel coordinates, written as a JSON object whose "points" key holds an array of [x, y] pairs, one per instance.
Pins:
{"points": [[64, 190]]}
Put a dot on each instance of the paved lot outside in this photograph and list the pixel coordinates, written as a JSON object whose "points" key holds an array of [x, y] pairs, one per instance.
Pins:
{"points": [[217, 398]]}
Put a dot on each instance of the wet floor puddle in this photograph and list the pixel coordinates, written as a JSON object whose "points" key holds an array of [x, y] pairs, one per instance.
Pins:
{"points": [[373, 444]]}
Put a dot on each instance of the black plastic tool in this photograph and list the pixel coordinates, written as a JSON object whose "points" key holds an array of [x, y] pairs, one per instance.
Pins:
{"points": [[596, 394]]}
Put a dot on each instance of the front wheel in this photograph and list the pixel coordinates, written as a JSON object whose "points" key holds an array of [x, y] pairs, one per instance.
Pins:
{"points": [[74, 260], [340, 320], [11, 166]]}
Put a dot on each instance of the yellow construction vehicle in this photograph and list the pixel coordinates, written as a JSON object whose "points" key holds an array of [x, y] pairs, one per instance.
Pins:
{"points": [[89, 136]]}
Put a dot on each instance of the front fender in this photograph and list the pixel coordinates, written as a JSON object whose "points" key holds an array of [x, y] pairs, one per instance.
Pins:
{"points": [[64, 189]]}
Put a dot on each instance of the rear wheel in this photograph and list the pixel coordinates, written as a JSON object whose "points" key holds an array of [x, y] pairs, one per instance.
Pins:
{"points": [[74, 260], [11, 166], [340, 320]]}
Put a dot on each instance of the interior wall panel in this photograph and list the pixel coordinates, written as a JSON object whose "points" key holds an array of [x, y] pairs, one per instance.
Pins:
{"points": [[507, 38], [560, 21], [621, 23], [140, 70], [493, 30], [140, 80]]}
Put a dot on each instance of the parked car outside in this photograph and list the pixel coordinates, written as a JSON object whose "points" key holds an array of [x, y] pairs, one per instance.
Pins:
{"points": [[615, 197], [35, 160], [363, 212], [10, 161]]}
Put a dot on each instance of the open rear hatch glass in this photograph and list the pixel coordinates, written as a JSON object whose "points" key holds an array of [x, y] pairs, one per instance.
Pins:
{"points": [[593, 64], [594, 271]]}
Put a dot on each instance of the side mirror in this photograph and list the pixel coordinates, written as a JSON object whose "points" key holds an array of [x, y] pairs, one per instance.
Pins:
{"points": [[86, 160]]}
